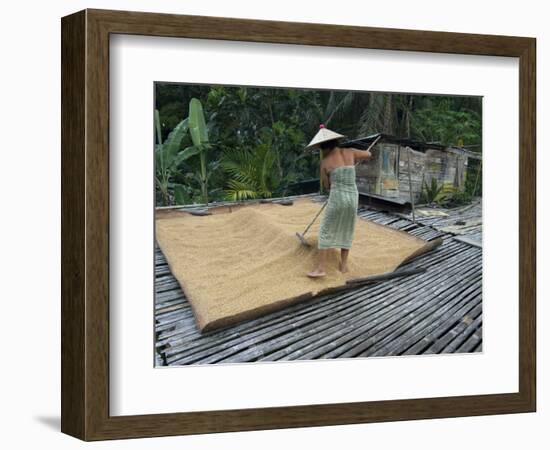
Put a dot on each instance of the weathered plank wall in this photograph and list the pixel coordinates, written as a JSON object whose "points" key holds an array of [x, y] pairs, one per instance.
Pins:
{"points": [[387, 174], [380, 175], [417, 167], [449, 169]]}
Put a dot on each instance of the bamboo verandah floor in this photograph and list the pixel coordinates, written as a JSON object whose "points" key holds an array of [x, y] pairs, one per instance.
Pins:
{"points": [[438, 311]]}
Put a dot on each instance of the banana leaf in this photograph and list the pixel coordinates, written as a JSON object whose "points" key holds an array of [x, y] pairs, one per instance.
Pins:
{"points": [[197, 124]]}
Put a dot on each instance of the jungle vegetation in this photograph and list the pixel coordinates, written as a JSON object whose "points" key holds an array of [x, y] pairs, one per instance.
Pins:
{"points": [[217, 143]]}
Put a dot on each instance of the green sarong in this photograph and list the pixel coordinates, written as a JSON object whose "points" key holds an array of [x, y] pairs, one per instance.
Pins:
{"points": [[338, 221]]}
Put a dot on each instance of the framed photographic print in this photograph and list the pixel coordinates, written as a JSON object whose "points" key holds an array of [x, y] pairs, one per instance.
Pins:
{"points": [[272, 224]]}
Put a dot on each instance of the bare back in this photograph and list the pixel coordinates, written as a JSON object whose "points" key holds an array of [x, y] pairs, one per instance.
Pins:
{"points": [[340, 157], [343, 157]]}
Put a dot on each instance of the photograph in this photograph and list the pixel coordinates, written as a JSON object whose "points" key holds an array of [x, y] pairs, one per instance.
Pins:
{"points": [[310, 224], [281, 222]]}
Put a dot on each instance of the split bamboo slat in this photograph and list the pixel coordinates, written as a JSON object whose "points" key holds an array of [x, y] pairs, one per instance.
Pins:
{"points": [[437, 310]]}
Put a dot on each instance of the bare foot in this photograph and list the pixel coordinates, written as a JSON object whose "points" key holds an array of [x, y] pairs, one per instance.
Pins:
{"points": [[317, 273], [343, 268]]}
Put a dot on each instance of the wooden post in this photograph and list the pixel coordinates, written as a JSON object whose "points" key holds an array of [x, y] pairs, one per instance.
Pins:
{"points": [[410, 182], [477, 178], [456, 180], [377, 189]]}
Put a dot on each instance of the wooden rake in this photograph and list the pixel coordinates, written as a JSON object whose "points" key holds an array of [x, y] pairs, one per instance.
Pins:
{"points": [[301, 236]]}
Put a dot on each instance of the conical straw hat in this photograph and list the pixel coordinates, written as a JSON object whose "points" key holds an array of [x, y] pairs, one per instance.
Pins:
{"points": [[323, 135]]}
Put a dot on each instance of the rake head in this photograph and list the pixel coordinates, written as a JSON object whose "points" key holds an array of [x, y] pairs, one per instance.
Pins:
{"points": [[302, 240]]}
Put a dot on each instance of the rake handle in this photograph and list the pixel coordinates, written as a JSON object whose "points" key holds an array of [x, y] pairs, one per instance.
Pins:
{"points": [[325, 204], [315, 218]]}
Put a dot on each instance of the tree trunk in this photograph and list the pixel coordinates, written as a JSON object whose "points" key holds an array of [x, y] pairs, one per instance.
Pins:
{"points": [[204, 191], [204, 181], [388, 125], [408, 116]]}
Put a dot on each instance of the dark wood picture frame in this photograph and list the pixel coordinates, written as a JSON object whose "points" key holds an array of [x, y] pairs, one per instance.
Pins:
{"points": [[85, 224]]}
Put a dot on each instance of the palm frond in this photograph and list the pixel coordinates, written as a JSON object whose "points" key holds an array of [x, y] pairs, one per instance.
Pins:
{"points": [[337, 109], [237, 191], [373, 116], [252, 172]]}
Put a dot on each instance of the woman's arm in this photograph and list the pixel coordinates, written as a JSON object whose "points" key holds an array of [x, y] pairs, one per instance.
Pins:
{"points": [[324, 177], [361, 154]]}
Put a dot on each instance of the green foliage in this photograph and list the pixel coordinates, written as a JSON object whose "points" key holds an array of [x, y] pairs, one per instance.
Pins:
{"points": [[197, 124], [172, 101], [252, 173], [438, 122], [199, 135], [181, 194], [431, 193], [457, 198], [168, 156], [474, 177], [225, 121]]}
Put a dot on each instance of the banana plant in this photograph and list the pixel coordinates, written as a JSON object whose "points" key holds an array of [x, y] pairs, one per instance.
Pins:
{"points": [[199, 135], [168, 156]]}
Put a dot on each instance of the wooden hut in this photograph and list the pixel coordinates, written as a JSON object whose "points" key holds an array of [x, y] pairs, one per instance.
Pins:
{"points": [[386, 176]]}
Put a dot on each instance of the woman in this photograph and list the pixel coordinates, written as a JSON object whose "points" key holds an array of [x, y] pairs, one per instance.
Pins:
{"points": [[338, 221]]}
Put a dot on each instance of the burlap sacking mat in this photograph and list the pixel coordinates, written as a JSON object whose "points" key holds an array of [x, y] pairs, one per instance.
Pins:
{"points": [[242, 262]]}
